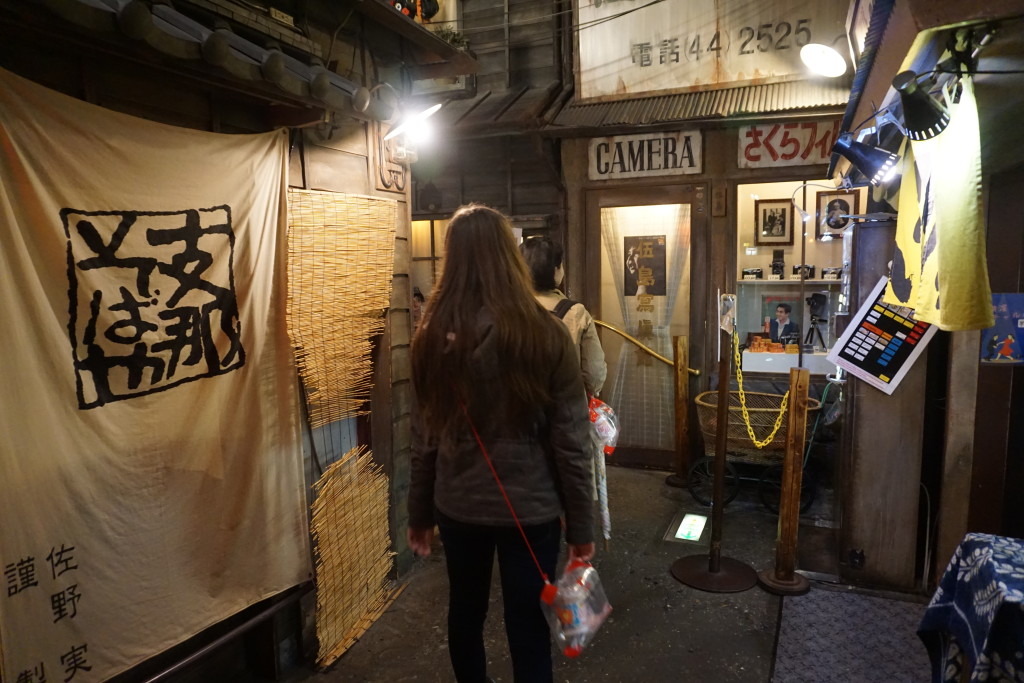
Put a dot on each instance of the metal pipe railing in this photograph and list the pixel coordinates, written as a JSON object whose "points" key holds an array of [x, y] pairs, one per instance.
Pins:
{"points": [[296, 592], [648, 350], [682, 397]]}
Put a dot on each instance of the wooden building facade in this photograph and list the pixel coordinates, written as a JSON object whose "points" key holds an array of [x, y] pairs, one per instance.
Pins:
{"points": [[910, 475]]}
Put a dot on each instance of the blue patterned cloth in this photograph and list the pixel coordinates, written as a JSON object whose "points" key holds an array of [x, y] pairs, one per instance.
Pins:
{"points": [[974, 626]]}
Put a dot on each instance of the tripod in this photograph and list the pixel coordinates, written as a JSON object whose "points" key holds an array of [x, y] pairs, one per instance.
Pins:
{"points": [[814, 330]]}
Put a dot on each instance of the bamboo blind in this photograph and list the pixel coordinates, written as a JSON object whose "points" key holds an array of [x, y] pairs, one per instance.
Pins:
{"points": [[340, 266], [353, 555]]}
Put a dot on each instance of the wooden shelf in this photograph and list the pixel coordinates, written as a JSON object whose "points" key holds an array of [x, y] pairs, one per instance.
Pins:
{"points": [[789, 282]]}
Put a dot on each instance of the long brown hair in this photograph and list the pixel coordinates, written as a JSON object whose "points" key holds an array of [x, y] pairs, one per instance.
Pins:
{"points": [[483, 270]]}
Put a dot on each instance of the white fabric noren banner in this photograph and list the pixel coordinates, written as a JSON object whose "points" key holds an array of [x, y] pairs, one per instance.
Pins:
{"points": [[150, 451]]}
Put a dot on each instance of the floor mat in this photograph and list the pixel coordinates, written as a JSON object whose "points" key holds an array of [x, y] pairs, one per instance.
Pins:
{"points": [[830, 635]]}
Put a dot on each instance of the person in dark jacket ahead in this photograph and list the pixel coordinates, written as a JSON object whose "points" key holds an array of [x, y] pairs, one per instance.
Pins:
{"points": [[488, 358]]}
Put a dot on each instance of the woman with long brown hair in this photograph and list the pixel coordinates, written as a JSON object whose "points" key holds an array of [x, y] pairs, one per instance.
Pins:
{"points": [[493, 371]]}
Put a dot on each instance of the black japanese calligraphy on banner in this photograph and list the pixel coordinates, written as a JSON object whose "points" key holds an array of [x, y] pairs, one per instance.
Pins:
{"points": [[152, 300], [50, 583], [150, 444]]}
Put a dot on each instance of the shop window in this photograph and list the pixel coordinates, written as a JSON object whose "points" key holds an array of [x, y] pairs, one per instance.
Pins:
{"points": [[775, 246], [427, 253]]}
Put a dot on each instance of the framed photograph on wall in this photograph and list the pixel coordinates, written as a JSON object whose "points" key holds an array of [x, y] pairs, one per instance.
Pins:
{"points": [[773, 220], [833, 211]]}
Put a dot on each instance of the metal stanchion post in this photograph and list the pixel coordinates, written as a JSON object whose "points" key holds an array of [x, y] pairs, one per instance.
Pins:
{"points": [[713, 572]]}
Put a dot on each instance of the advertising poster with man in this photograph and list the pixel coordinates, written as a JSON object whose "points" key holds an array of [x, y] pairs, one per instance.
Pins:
{"points": [[644, 265]]}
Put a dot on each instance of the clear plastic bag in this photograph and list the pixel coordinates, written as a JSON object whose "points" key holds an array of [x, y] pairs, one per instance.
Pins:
{"points": [[604, 424], [575, 607]]}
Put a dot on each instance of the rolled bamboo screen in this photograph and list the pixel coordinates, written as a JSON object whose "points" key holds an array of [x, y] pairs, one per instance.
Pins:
{"points": [[353, 557], [340, 265], [340, 268]]}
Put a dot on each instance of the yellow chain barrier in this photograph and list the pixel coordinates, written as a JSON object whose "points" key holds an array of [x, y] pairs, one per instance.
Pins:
{"points": [[743, 399]]}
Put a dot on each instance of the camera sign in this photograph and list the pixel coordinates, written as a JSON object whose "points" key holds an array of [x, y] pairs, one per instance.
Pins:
{"points": [[646, 155]]}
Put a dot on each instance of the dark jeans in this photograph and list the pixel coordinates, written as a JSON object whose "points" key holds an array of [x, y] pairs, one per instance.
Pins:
{"points": [[469, 552]]}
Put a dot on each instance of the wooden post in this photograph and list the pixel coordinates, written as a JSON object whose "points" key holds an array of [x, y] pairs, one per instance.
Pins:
{"points": [[681, 357], [783, 579], [721, 446]]}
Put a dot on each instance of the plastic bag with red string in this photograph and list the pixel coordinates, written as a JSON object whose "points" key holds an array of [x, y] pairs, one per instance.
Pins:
{"points": [[575, 607], [604, 423]]}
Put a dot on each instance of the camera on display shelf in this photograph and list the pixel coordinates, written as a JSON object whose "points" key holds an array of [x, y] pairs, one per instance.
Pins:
{"points": [[817, 304], [778, 262], [806, 272], [753, 273]]}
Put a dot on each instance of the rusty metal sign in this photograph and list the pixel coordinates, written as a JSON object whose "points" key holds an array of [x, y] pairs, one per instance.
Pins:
{"points": [[634, 47]]}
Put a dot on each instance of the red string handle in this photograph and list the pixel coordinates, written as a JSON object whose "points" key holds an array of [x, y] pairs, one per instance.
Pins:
{"points": [[508, 502]]}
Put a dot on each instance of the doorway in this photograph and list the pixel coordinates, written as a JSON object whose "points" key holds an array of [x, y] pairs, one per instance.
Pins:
{"points": [[650, 244]]}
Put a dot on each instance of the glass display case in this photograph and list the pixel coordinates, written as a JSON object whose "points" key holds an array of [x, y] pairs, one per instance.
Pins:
{"points": [[790, 272], [757, 303]]}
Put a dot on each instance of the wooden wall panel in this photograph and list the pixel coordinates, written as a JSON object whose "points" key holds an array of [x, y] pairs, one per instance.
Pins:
{"points": [[342, 135], [334, 171], [535, 197], [447, 187], [954, 500], [133, 90], [998, 472], [882, 462], [514, 49], [484, 192]]}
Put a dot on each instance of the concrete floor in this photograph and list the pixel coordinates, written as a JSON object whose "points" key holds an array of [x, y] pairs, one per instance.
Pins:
{"points": [[660, 629]]}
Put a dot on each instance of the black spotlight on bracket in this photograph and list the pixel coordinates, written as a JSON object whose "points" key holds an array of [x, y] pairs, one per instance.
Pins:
{"points": [[875, 163], [923, 117]]}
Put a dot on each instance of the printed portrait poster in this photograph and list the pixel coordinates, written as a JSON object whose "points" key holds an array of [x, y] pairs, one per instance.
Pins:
{"points": [[644, 268], [150, 450], [771, 302], [1001, 344]]}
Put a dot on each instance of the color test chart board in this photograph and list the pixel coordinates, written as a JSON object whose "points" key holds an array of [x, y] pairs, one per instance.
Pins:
{"points": [[882, 342]]}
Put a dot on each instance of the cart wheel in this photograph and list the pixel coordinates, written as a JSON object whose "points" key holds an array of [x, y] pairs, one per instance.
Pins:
{"points": [[769, 489], [702, 480]]}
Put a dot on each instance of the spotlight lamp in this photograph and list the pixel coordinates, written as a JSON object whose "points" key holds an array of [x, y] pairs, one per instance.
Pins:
{"points": [[923, 117], [823, 60], [877, 164], [412, 120]]}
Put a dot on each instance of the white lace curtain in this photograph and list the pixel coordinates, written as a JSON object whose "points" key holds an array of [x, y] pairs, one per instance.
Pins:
{"points": [[641, 391]]}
